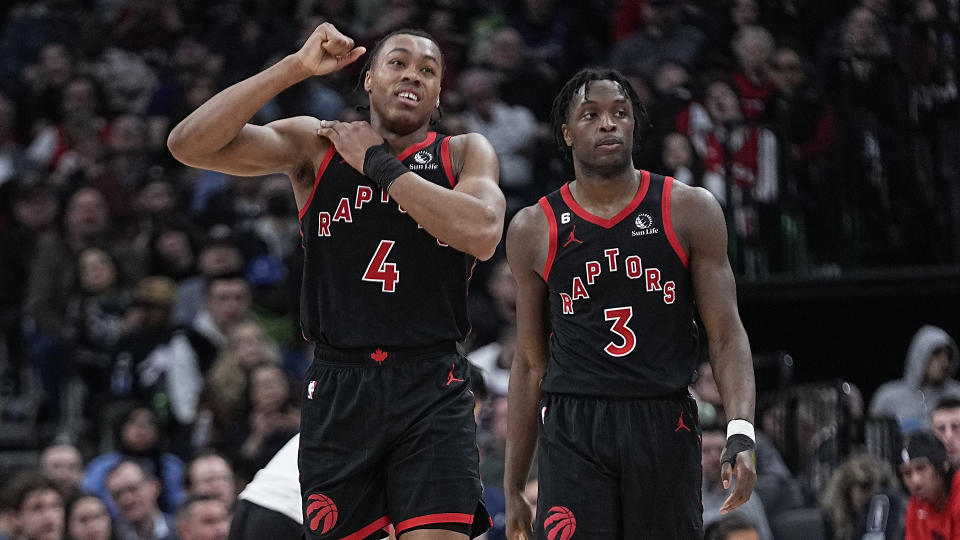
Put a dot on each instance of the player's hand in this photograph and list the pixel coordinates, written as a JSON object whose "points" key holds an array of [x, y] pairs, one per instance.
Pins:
{"points": [[327, 50], [519, 524], [351, 139], [746, 473]]}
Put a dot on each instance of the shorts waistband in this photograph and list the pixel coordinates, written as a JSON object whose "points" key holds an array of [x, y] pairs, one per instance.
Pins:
{"points": [[380, 356], [676, 395]]}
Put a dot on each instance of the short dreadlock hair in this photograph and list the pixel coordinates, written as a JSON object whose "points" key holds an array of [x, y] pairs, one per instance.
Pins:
{"points": [[379, 45], [561, 105]]}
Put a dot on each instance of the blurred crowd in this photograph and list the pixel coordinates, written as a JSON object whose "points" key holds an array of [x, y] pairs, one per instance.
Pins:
{"points": [[149, 312]]}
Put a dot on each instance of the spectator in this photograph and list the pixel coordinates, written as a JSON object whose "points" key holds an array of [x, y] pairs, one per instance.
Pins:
{"points": [[868, 91], [662, 37], [945, 421], [62, 464], [741, 172], [219, 256], [192, 351], [713, 443], [135, 493], [930, 365], [203, 517], [851, 486], [805, 126], [680, 160], [95, 318], [88, 519], [210, 474], [171, 249], [511, 129], [753, 46], [137, 367], [934, 507], [228, 381], [138, 438], [37, 506], [732, 527], [521, 80], [273, 418], [33, 209]]}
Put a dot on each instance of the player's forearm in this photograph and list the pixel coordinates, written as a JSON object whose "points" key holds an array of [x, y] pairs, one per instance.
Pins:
{"points": [[524, 396], [465, 222], [733, 371], [218, 121]]}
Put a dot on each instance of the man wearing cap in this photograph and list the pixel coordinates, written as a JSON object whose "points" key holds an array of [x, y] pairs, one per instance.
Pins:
{"points": [[933, 512]]}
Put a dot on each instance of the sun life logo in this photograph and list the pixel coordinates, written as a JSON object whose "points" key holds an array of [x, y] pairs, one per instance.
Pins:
{"points": [[645, 223], [422, 157], [423, 161]]}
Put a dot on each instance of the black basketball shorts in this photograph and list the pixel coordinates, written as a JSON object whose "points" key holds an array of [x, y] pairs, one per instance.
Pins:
{"points": [[388, 436], [611, 469]]}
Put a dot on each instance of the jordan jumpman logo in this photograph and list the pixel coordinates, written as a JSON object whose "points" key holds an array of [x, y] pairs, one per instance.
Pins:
{"points": [[450, 377], [680, 424], [572, 237]]}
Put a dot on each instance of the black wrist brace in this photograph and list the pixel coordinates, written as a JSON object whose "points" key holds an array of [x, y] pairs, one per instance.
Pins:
{"points": [[382, 167], [735, 444]]}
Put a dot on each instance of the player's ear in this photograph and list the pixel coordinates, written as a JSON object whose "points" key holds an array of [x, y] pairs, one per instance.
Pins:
{"points": [[366, 80], [566, 135]]}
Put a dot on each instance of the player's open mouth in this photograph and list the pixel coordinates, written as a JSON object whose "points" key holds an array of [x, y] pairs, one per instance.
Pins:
{"points": [[408, 97]]}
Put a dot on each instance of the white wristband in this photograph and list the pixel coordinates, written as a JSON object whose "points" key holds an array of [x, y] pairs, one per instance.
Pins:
{"points": [[738, 426]]}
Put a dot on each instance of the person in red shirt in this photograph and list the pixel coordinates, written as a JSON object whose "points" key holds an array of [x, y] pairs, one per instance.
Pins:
{"points": [[933, 512]]}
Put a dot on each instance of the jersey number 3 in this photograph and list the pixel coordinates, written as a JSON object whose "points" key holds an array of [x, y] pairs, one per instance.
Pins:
{"points": [[620, 317], [380, 271]]}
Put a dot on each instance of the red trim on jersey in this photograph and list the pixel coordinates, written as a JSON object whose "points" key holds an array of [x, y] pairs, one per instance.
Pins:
{"points": [[369, 529], [431, 519], [323, 168], [552, 222], [608, 223], [431, 136], [668, 222], [447, 163]]}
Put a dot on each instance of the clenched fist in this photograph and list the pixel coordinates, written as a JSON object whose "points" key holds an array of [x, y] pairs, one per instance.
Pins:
{"points": [[327, 50]]}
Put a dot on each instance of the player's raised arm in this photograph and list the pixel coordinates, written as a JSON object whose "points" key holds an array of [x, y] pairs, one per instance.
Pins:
{"points": [[217, 136], [702, 224], [527, 241]]}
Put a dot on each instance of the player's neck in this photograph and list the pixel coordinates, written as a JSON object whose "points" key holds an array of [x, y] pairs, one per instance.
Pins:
{"points": [[399, 141], [607, 193]]}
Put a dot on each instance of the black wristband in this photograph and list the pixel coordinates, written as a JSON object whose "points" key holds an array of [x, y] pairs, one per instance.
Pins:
{"points": [[382, 167], [736, 443]]}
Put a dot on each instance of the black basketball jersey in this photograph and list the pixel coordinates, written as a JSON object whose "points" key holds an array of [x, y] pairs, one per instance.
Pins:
{"points": [[621, 301], [372, 276]]}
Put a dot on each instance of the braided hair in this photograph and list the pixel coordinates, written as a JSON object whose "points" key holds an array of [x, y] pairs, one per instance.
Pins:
{"points": [[368, 65], [561, 104]]}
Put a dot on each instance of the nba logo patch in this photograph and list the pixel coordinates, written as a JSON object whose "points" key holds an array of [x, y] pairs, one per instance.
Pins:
{"points": [[310, 388]]}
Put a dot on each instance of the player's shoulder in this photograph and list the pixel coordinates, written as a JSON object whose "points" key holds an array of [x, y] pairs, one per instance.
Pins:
{"points": [[528, 237], [693, 203], [469, 143], [529, 220]]}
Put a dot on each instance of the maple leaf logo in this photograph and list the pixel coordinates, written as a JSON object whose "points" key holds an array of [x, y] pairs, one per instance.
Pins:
{"points": [[379, 355]]}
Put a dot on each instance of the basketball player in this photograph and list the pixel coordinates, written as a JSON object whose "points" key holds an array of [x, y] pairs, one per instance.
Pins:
{"points": [[610, 269], [393, 217]]}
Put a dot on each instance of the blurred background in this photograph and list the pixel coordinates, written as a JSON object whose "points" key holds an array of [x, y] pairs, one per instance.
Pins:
{"points": [[134, 289]]}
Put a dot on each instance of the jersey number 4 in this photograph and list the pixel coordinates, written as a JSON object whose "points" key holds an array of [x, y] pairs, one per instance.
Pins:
{"points": [[380, 271], [620, 317]]}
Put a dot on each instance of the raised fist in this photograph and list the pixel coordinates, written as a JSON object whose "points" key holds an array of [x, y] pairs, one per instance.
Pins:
{"points": [[327, 50]]}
